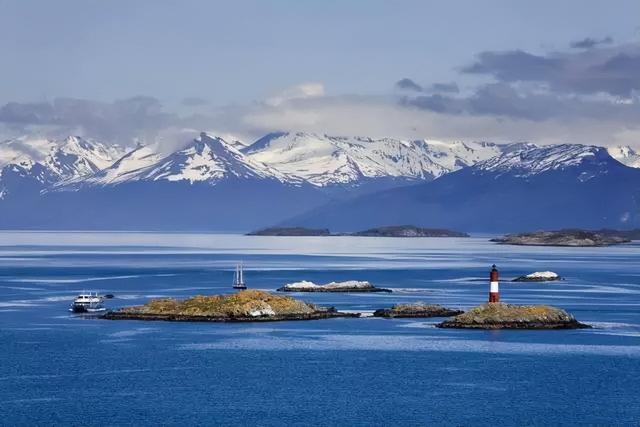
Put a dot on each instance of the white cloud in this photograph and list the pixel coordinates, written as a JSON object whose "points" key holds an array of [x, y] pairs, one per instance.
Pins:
{"points": [[301, 91], [380, 116], [375, 116], [536, 98]]}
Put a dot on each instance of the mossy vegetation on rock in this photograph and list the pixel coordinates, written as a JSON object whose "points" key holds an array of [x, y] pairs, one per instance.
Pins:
{"points": [[417, 309], [508, 316], [241, 306]]}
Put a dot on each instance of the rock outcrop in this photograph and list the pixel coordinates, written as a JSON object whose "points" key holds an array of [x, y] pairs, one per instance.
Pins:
{"points": [[418, 309], [347, 286], [539, 276], [507, 316]]}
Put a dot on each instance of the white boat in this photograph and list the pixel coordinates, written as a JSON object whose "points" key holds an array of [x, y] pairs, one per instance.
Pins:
{"points": [[238, 278], [87, 302]]}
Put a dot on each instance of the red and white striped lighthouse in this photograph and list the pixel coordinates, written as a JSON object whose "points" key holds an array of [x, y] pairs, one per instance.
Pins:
{"points": [[494, 291]]}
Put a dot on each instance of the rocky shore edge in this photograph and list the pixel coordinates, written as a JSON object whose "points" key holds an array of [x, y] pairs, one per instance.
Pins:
{"points": [[326, 314], [416, 310]]}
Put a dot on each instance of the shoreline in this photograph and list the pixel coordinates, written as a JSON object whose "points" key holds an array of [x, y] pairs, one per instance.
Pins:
{"points": [[514, 325], [116, 315]]}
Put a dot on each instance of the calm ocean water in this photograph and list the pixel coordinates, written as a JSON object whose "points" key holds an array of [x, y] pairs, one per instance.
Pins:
{"points": [[60, 369]]}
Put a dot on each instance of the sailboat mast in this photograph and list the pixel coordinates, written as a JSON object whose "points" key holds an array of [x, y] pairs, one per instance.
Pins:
{"points": [[241, 274]]}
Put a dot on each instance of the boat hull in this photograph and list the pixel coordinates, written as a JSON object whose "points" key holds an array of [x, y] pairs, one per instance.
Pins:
{"points": [[82, 308]]}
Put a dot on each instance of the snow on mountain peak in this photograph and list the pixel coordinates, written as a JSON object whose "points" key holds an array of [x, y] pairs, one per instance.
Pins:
{"points": [[36, 164], [625, 155], [325, 160], [76, 157], [288, 157], [71, 158], [127, 166], [523, 160], [24, 151], [205, 159]]}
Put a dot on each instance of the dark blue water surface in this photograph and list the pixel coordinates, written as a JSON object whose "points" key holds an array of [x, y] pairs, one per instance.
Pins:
{"points": [[60, 369]]}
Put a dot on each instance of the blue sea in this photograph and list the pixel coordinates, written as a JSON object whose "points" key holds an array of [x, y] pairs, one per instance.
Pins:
{"points": [[62, 369]]}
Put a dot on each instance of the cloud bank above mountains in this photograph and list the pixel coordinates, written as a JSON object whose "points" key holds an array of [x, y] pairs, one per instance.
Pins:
{"points": [[588, 93]]}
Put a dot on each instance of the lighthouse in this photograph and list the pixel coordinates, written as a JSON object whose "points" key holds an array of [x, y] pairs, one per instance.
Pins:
{"points": [[494, 292]]}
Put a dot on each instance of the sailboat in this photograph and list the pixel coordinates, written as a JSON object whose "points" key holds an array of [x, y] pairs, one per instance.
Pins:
{"points": [[238, 278]]}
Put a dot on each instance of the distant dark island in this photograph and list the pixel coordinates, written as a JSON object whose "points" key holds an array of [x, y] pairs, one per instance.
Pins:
{"points": [[388, 231], [416, 310], [290, 231], [507, 316], [244, 306], [347, 286], [408, 231], [568, 237]]}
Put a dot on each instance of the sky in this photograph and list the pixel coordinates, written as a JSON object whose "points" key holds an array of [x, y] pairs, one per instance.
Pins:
{"points": [[543, 71]]}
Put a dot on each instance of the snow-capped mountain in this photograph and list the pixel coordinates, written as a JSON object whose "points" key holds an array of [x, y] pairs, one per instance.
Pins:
{"points": [[213, 184], [625, 155], [343, 163], [207, 159], [529, 160], [327, 161], [126, 167], [206, 185], [71, 157], [524, 188], [42, 163]]}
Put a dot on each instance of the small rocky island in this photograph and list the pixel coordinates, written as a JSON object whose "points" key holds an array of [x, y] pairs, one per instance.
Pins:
{"points": [[408, 231], [290, 231], [244, 306], [347, 286], [507, 316], [539, 276], [416, 310], [572, 238], [389, 231]]}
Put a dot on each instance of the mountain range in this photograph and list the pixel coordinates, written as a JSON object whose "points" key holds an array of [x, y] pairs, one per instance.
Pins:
{"points": [[530, 188], [334, 162], [296, 178]]}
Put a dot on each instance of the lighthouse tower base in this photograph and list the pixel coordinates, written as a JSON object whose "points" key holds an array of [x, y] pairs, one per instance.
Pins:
{"points": [[494, 292]]}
